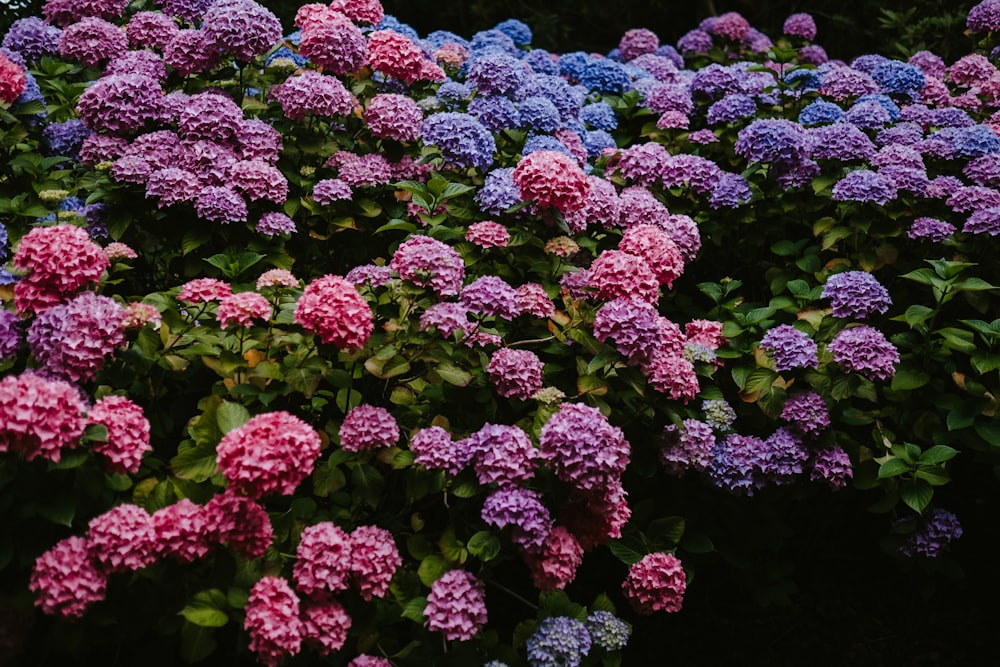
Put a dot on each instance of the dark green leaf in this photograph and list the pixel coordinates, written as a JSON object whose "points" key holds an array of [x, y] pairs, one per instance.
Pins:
{"points": [[893, 468], [917, 494], [484, 545], [197, 642], [414, 609], [937, 454], [206, 609], [625, 554]]}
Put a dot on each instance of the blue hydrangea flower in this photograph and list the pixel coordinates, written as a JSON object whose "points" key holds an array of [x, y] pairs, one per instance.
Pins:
{"points": [[894, 76], [571, 65], [887, 103], [864, 185], [66, 138], [807, 79], [820, 112], [463, 140], [545, 142], [495, 74], [558, 641], [493, 42], [936, 530], [454, 92], [541, 61], [439, 38], [540, 114], [731, 108], [732, 465], [599, 116], [771, 140], [284, 52], [731, 191], [608, 631], [390, 22], [568, 99], [516, 30], [867, 115], [495, 112], [596, 141], [602, 75], [499, 192]]}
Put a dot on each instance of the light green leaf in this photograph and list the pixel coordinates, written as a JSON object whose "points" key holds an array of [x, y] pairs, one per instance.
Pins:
{"points": [[206, 609], [231, 416]]}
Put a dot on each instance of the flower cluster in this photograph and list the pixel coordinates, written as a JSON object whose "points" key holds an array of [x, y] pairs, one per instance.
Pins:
{"points": [[332, 308], [456, 606]]}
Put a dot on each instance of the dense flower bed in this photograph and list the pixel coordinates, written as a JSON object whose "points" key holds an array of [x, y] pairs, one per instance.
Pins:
{"points": [[360, 343]]}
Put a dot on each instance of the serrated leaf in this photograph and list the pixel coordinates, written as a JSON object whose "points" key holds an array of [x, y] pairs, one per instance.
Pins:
{"points": [[431, 569], [230, 416], [414, 609], [206, 609], [916, 494]]}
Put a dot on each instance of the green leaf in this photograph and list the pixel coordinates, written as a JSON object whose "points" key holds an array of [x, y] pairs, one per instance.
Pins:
{"points": [[206, 609], [667, 531], [452, 374], [932, 475], [917, 494], [916, 315], [893, 468], [414, 609], [197, 642], [484, 545], [908, 378], [625, 554], [431, 569], [938, 454], [602, 603], [196, 463], [230, 416], [59, 510]]}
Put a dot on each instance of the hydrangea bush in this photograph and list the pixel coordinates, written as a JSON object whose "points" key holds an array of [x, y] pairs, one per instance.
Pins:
{"points": [[364, 344]]}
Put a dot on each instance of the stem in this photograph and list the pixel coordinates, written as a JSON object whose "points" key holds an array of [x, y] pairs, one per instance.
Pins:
{"points": [[513, 594]]}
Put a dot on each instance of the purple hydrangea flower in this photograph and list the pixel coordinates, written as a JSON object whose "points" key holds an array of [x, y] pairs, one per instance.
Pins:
{"points": [[632, 325], [491, 295], [435, 450], [243, 28], [865, 350], [495, 112], [558, 641], [498, 192], [984, 221], [800, 25], [515, 373], [32, 38], [931, 229], [984, 17], [66, 138], [539, 114], [688, 447], [10, 335], [502, 454], [582, 448], [732, 464], [428, 262], [731, 191], [523, 511], [495, 74], [807, 413], [695, 41], [771, 140], [833, 465], [790, 348], [937, 529], [120, 104], [447, 317], [731, 109], [72, 341], [780, 458], [372, 275], [220, 204], [864, 185], [840, 141], [856, 294]]}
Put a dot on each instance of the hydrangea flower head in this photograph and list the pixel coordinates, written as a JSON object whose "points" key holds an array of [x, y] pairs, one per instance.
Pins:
{"points": [[515, 373], [128, 433], [800, 25], [656, 583], [273, 621], [553, 566], [552, 180], [807, 412], [242, 309], [325, 625], [523, 511], [456, 606], [865, 350], [322, 560], [607, 630], [181, 532], [65, 579], [856, 294], [558, 641], [790, 348], [368, 427], [428, 262], [271, 453], [243, 28], [331, 308], [122, 539], [435, 450], [392, 116], [397, 56], [60, 260], [72, 341], [337, 45], [583, 448], [937, 529], [374, 560], [39, 417], [239, 523]]}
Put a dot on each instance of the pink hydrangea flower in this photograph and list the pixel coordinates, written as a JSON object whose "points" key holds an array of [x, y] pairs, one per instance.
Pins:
{"points": [[128, 433], [583, 448], [374, 560], [325, 625], [502, 454], [122, 539], [394, 55], [12, 80], [39, 417], [271, 453], [391, 116], [428, 262], [515, 373], [240, 523], [533, 300], [59, 260], [365, 660], [435, 450], [595, 518], [65, 579], [242, 308], [323, 560], [616, 273], [361, 11], [672, 375], [272, 620], [204, 290], [277, 278], [657, 248], [337, 45], [554, 564], [313, 93], [488, 234], [456, 606], [91, 41], [332, 308], [181, 531], [257, 179], [368, 427], [138, 314], [552, 180], [656, 583], [118, 250]]}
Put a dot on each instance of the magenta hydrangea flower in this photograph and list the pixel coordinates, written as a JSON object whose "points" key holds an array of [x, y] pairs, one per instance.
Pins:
{"points": [[656, 583], [128, 433], [150, 30], [331, 308], [392, 116], [60, 260], [311, 92], [807, 413], [490, 295], [271, 453], [323, 560], [368, 427], [39, 417], [257, 179], [435, 450], [122, 539], [617, 274], [552, 180], [361, 11], [66, 580], [657, 247], [800, 25], [502, 454], [243, 28], [272, 621], [239, 523], [397, 57], [447, 317], [523, 511], [865, 350], [790, 348], [365, 660], [488, 234], [204, 290], [456, 606], [325, 624], [553, 566], [856, 294], [583, 448], [337, 45], [673, 375], [428, 262], [92, 41], [638, 42], [242, 308], [532, 299], [181, 532], [633, 327], [515, 373], [374, 560], [120, 103]]}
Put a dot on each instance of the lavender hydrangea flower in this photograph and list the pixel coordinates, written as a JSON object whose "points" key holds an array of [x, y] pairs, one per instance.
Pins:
{"points": [[930, 229], [490, 295], [807, 413], [865, 350], [790, 348], [935, 532], [864, 185], [840, 141], [558, 641], [731, 191], [495, 112], [800, 25], [984, 17], [10, 335], [687, 447], [780, 459], [495, 74], [732, 465], [771, 140], [498, 192], [731, 109], [856, 294], [607, 630], [72, 341], [832, 465], [32, 38], [523, 511], [985, 221]]}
